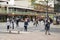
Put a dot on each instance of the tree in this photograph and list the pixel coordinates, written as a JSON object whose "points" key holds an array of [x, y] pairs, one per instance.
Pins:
{"points": [[33, 1], [58, 0], [57, 8]]}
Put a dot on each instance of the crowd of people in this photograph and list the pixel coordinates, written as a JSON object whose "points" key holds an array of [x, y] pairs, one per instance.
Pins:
{"points": [[11, 21]]}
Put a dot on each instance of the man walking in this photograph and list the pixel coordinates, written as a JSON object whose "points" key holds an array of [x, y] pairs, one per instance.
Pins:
{"points": [[25, 24], [47, 27], [12, 23]]}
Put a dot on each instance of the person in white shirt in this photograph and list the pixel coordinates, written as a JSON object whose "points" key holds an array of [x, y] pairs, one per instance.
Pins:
{"points": [[8, 24]]}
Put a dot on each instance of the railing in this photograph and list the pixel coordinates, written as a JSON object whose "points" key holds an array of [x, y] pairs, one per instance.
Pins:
{"points": [[4, 11]]}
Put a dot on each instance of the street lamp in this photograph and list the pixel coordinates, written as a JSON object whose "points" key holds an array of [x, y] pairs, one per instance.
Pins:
{"points": [[7, 8], [46, 9]]}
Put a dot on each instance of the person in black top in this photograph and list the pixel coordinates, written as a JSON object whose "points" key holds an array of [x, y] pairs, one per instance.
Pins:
{"points": [[25, 24], [17, 22], [47, 27]]}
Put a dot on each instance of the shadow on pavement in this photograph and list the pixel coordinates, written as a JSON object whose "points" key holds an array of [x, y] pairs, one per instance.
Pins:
{"points": [[7, 32], [55, 30]]}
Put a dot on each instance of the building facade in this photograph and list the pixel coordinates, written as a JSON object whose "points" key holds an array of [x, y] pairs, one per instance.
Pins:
{"points": [[22, 8], [57, 6]]}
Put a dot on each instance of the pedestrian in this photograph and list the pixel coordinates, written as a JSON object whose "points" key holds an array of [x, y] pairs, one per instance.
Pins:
{"points": [[17, 22], [12, 23], [25, 24], [33, 21], [8, 24], [47, 27], [36, 22], [51, 21]]}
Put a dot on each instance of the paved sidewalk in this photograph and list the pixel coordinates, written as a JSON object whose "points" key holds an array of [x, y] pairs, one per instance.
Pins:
{"points": [[29, 36], [34, 33]]}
